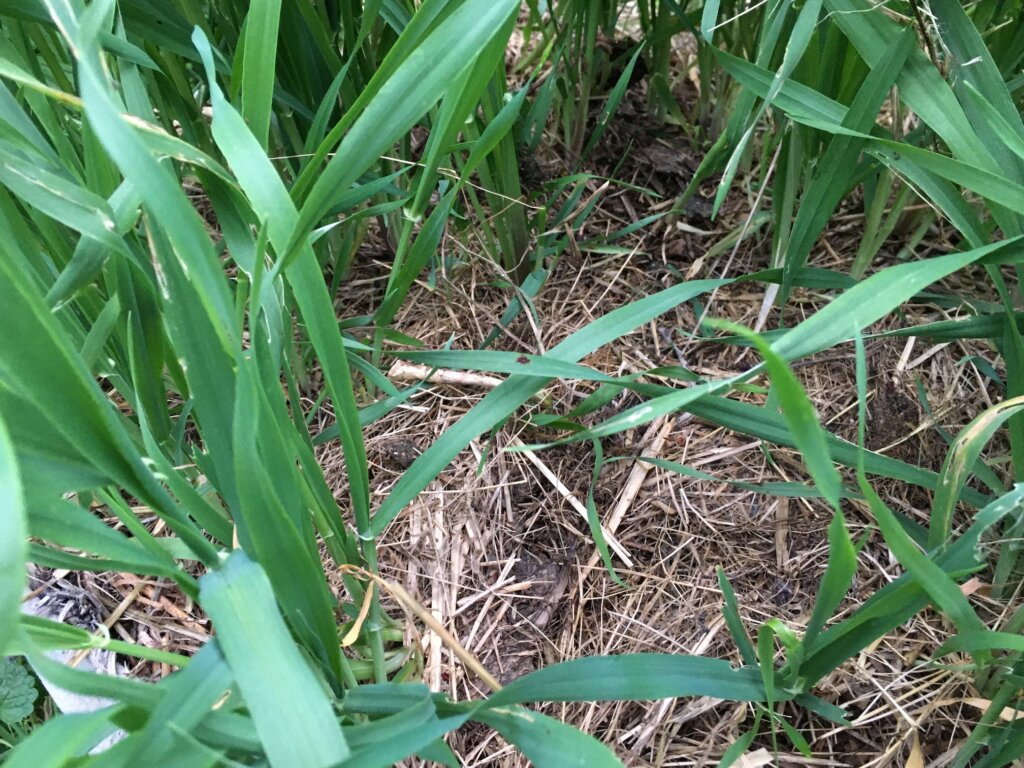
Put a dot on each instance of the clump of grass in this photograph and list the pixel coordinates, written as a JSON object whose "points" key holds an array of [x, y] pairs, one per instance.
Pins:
{"points": [[151, 366]]}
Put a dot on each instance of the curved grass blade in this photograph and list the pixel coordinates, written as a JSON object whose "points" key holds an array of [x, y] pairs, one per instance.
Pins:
{"points": [[959, 463], [800, 416]]}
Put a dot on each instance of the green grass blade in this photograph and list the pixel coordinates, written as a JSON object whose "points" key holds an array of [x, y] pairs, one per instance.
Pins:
{"points": [[897, 601], [959, 463], [546, 742], [800, 418], [60, 740], [941, 589], [258, 65], [292, 714], [874, 298], [412, 89], [830, 182], [504, 362], [13, 546], [634, 677], [731, 613]]}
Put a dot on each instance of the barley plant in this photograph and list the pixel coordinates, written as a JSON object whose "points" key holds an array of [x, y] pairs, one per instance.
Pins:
{"points": [[185, 187]]}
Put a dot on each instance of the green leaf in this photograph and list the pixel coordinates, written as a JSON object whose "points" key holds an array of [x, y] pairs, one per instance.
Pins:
{"points": [[874, 298], [829, 184], [981, 640], [546, 742], [959, 465], [504, 362], [189, 697], [897, 601], [17, 691], [291, 711], [941, 589], [634, 677], [517, 390], [413, 86], [59, 740], [839, 573], [800, 416], [258, 64], [413, 727], [731, 613], [13, 533]]}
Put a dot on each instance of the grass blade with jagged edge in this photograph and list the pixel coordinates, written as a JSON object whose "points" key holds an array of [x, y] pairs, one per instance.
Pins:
{"points": [[269, 668]]}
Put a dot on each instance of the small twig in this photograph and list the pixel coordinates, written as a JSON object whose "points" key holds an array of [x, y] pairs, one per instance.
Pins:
{"points": [[402, 371]]}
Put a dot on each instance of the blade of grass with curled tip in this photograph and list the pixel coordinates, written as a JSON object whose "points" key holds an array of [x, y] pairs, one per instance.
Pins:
{"points": [[956, 469]]}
